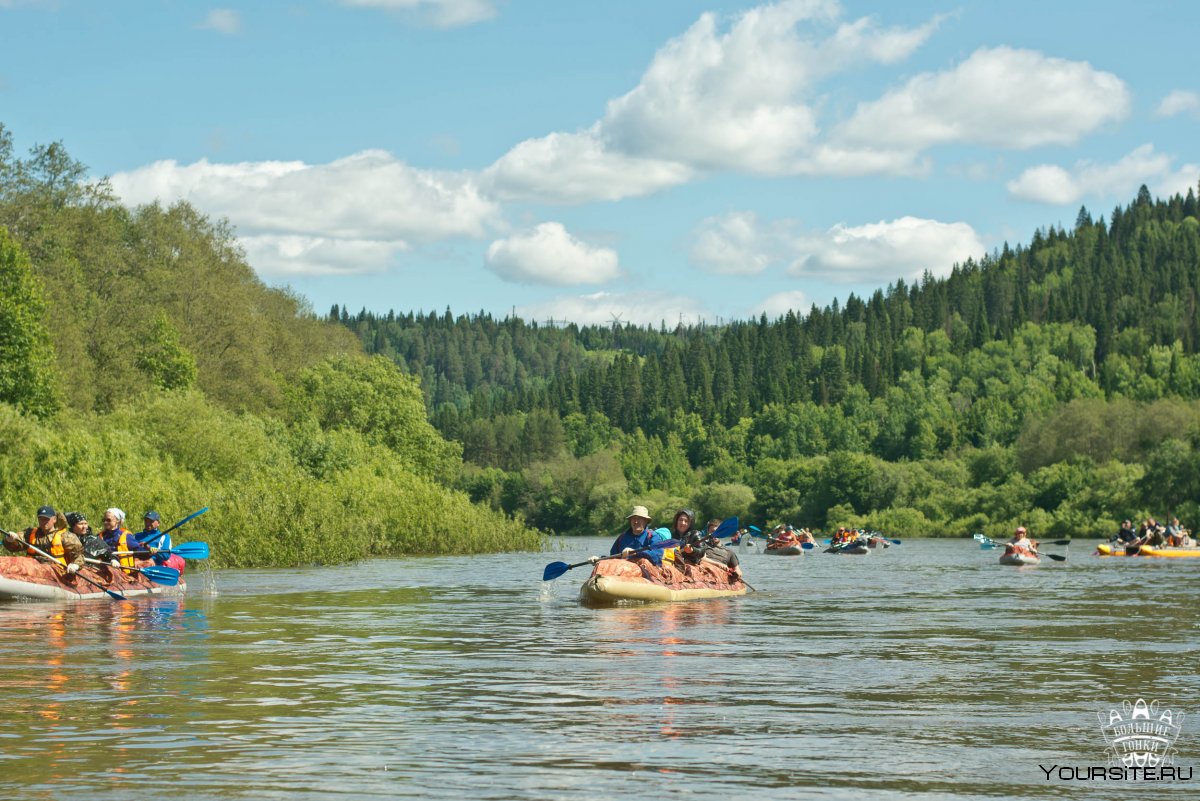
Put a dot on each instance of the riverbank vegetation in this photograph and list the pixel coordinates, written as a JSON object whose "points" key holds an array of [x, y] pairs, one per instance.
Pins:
{"points": [[1053, 384], [144, 365]]}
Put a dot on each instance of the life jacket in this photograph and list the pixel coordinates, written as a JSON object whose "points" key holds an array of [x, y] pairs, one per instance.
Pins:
{"points": [[1021, 550], [56, 548], [125, 541]]}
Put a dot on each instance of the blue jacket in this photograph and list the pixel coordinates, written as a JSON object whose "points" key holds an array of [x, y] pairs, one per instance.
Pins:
{"points": [[628, 539], [155, 539]]}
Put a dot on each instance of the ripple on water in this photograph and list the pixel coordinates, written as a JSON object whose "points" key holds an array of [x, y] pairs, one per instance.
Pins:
{"points": [[925, 671]]}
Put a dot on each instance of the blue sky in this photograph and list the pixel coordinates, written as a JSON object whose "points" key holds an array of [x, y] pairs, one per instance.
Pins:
{"points": [[656, 160]]}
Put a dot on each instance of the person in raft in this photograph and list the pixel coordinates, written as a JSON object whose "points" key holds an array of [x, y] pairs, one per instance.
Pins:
{"points": [[636, 538], [93, 543], [119, 538], [786, 537], [51, 536], [1021, 543], [714, 551], [692, 550]]}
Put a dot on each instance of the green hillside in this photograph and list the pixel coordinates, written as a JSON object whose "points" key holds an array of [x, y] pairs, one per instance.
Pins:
{"points": [[144, 365], [1053, 383]]}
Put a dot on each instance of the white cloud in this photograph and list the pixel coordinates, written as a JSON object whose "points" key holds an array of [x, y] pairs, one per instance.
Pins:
{"points": [[1179, 102], [369, 204], [439, 13], [740, 243], [639, 308], [740, 100], [999, 97], [781, 303], [881, 252], [577, 168], [737, 244], [223, 20], [1050, 183], [549, 255], [287, 255], [711, 99]]}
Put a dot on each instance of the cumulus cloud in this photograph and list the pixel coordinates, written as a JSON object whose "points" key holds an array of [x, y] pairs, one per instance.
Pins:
{"points": [[1179, 102], [223, 20], [285, 255], [639, 308], [370, 204], [549, 255], [779, 304], [734, 96], [741, 99], [737, 243], [577, 168], [881, 252], [1050, 183], [439, 13], [740, 243], [999, 97]]}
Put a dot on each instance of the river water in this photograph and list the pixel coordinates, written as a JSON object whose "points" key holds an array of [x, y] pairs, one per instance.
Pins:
{"points": [[923, 671]]}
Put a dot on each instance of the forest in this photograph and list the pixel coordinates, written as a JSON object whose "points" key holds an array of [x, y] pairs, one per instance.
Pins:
{"points": [[144, 365], [1053, 384]]}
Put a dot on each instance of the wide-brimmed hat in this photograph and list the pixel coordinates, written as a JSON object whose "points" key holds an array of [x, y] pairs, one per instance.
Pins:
{"points": [[640, 511]]}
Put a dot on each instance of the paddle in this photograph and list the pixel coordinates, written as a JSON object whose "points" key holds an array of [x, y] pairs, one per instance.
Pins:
{"points": [[728, 525], [112, 594], [158, 536], [192, 516], [166, 576], [188, 550], [556, 569]]}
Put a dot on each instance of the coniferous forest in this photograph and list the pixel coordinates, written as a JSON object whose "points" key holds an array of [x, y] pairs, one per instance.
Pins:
{"points": [[1053, 384]]}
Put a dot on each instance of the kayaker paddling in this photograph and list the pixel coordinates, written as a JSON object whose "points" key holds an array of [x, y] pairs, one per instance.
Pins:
{"points": [[50, 536], [636, 537]]}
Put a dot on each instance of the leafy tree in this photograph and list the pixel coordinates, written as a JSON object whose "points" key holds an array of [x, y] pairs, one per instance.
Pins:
{"points": [[26, 355], [374, 398], [161, 357]]}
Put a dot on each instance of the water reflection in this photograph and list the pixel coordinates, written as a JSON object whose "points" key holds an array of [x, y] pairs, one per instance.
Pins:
{"points": [[924, 671]]}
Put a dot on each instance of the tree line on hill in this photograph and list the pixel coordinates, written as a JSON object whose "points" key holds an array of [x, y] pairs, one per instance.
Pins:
{"points": [[1053, 384]]}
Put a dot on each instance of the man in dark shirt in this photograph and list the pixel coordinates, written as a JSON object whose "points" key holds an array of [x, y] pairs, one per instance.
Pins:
{"points": [[716, 552]]}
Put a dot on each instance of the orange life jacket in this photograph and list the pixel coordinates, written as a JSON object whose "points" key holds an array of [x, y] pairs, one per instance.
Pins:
{"points": [[56, 545], [127, 542]]}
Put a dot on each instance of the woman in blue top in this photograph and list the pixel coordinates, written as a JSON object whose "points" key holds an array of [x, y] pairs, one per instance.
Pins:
{"points": [[637, 537]]}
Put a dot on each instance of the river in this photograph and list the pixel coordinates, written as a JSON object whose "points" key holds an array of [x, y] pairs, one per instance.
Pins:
{"points": [[923, 671]]}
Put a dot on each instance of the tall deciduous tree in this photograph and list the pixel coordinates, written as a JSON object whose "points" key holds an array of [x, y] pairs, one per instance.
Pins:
{"points": [[26, 355]]}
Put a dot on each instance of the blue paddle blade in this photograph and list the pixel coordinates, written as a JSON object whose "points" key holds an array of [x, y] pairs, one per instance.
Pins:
{"points": [[754, 528], [166, 576], [190, 550], [808, 546], [554, 570], [728, 526]]}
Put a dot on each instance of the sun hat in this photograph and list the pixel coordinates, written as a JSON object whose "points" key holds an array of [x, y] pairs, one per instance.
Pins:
{"points": [[640, 511]]}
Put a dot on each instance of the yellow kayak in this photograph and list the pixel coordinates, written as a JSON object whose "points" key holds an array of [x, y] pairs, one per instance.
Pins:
{"points": [[1149, 550], [1170, 553]]}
